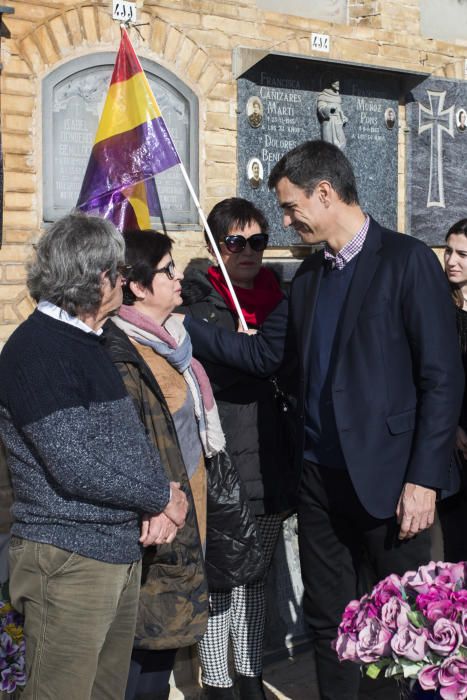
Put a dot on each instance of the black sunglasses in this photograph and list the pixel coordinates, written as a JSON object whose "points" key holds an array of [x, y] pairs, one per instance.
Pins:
{"points": [[168, 269], [235, 243]]}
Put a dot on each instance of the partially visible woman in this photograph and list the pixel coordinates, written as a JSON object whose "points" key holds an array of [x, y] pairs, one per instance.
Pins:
{"points": [[251, 420], [174, 400], [453, 510]]}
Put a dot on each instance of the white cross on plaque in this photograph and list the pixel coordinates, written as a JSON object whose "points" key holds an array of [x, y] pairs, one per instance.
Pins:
{"points": [[436, 119]]}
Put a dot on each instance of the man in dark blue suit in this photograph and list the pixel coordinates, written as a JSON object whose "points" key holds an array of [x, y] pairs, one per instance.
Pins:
{"points": [[379, 385]]}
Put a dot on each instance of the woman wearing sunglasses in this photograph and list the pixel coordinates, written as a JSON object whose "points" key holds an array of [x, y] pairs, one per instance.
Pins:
{"points": [[249, 417]]}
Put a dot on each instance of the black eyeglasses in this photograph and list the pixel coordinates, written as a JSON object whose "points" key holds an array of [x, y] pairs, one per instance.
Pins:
{"points": [[168, 269], [235, 243]]}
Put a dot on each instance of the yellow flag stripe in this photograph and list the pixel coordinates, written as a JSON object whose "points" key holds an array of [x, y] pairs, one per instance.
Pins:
{"points": [[128, 104], [136, 195]]}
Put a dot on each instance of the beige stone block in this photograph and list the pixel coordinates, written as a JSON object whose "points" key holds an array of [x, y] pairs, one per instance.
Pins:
{"points": [[108, 29], [15, 253], [197, 64], [15, 273], [210, 77], [221, 138], [158, 36], [46, 45], [89, 24], [16, 218], [14, 65], [144, 19], [19, 200], [19, 27], [9, 292], [220, 121], [221, 56], [174, 38], [25, 307], [16, 143], [18, 86], [60, 33], [221, 154], [17, 104], [398, 54], [186, 53], [220, 106], [224, 91], [17, 122], [10, 314], [219, 190], [17, 162], [19, 235], [19, 182], [228, 25], [206, 38], [179, 17], [278, 33], [215, 171], [73, 20]]}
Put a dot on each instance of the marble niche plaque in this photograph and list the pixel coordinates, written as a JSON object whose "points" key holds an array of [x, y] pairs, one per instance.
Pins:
{"points": [[74, 97], [283, 101], [436, 157]]}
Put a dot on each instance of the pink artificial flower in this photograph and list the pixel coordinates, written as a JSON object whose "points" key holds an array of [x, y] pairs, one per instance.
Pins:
{"points": [[394, 613], [388, 588], [453, 573], [445, 637], [421, 579], [373, 641], [346, 648], [428, 677], [463, 625], [349, 617], [452, 678], [410, 642], [435, 594], [459, 600], [437, 609]]}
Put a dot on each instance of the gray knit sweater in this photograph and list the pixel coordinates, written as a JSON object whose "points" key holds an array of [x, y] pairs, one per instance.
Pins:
{"points": [[82, 468]]}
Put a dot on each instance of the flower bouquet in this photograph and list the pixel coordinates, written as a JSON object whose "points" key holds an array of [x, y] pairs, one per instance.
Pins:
{"points": [[12, 664], [412, 628]]}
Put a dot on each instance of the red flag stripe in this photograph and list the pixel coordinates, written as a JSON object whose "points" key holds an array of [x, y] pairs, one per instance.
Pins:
{"points": [[127, 64]]}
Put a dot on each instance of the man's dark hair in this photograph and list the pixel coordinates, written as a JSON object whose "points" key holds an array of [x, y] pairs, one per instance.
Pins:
{"points": [[143, 252], [234, 212], [313, 161]]}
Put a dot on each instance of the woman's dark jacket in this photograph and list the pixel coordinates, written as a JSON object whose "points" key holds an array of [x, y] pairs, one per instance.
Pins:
{"points": [[173, 604], [248, 410]]}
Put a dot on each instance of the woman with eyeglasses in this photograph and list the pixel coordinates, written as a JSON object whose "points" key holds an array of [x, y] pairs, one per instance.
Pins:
{"points": [[174, 400], [249, 416]]}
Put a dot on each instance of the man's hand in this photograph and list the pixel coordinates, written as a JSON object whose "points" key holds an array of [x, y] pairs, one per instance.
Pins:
{"points": [[157, 529], [248, 331], [415, 510], [177, 508], [461, 441]]}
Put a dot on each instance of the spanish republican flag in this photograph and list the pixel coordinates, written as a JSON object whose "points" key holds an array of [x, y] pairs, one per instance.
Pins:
{"points": [[131, 146]]}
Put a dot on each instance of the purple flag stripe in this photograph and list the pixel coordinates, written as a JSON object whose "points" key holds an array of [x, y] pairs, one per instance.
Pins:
{"points": [[127, 158], [115, 207]]}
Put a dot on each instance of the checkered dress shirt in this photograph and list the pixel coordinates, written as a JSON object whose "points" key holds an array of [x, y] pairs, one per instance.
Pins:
{"points": [[350, 250]]}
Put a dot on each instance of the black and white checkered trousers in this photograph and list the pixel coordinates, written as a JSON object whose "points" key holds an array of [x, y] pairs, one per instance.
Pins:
{"points": [[238, 615]]}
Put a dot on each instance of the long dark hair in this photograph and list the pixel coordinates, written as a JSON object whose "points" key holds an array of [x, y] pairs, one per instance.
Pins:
{"points": [[459, 228]]}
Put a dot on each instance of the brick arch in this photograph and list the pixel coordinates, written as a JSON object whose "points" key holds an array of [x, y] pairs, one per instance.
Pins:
{"points": [[86, 26]]}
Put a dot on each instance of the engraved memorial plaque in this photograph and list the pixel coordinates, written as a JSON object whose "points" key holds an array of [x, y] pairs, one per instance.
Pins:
{"points": [[292, 93], [74, 97], [436, 155]]}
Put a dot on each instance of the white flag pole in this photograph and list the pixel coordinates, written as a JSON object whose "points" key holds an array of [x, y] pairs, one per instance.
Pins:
{"points": [[214, 247]]}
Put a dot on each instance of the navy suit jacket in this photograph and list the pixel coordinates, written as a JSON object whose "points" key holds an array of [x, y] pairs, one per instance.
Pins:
{"points": [[398, 380]]}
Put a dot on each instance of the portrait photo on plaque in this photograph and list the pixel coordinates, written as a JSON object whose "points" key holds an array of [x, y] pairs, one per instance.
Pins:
{"points": [[461, 117], [390, 118], [255, 173], [254, 111]]}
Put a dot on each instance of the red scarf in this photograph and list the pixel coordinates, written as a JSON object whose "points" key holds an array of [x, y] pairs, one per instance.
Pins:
{"points": [[256, 303]]}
